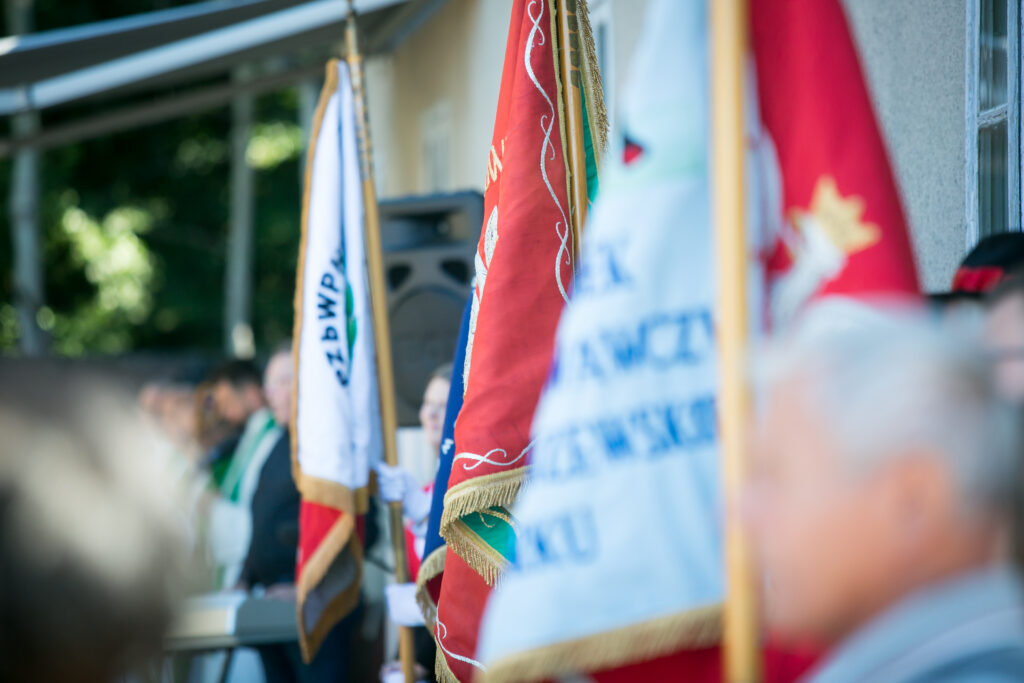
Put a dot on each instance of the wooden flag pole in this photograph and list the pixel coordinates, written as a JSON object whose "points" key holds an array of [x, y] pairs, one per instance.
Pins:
{"points": [[569, 55], [728, 20], [381, 331]]}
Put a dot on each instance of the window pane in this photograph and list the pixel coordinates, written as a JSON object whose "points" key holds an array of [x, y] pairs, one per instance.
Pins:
{"points": [[992, 181], [992, 87]]}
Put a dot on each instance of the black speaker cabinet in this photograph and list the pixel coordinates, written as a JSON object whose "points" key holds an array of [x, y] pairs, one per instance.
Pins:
{"points": [[429, 246]]}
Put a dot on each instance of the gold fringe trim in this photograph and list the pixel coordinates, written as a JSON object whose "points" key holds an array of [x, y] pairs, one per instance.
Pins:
{"points": [[442, 673], [597, 111], [332, 494], [701, 627], [340, 535], [432, 565], [430, 568], [477, 554], [477, 496], [326, 93], [480, 493], [428, 609]]}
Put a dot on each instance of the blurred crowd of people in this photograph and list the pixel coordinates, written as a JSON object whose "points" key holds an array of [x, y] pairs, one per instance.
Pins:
{"points": [[229, 429], [886, 502], [233, 453]]}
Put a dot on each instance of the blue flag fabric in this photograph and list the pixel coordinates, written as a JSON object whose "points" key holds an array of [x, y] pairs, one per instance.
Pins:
{"points": [[434, 547]]}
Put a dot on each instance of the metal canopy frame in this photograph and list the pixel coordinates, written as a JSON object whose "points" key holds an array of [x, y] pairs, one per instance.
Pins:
{"points": [[194, 56], [159, 50], [34, 57]]}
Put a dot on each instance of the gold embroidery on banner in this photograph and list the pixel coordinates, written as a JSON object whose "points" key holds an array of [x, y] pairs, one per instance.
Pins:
{"points": [[839, 218], [501, 514]]}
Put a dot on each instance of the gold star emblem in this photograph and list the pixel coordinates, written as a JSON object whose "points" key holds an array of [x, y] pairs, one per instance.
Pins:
{"points": [[839, 218]]}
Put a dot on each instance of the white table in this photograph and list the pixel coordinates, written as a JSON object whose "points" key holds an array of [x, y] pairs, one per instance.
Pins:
{"points": [[224, 621]]}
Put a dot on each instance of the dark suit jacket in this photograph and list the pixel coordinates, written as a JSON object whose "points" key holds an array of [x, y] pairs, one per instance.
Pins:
{"points": [[275, 521]]}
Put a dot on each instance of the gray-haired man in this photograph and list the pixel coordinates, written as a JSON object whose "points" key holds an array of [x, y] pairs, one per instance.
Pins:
{"points": [[884, 474]]}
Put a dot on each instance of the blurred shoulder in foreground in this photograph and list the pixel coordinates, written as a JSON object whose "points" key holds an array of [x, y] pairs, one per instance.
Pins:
{"points": [[91, 547]]}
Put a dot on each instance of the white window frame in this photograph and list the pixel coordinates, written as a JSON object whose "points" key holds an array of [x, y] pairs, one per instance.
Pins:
{"points": [[977, 119], [436, 147]]}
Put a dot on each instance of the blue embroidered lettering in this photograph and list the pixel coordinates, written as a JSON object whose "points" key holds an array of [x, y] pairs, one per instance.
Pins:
{"points": [[326, 306], [327, 282]]}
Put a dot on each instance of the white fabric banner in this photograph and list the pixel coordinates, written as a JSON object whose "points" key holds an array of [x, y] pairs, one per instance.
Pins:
{"points": [[620, 524], [338, 409]]}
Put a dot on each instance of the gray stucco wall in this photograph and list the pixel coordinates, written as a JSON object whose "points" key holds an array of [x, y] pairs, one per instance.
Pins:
{"points": [[913, 53]]}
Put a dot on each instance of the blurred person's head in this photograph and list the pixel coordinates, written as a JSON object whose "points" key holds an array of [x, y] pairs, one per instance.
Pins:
{"points": [[277, 384], [435, 401], [90, 542], [150, 396], [955, 303], [171, 406], [178, 414], [211, 428], [884, 461], [236, 390]]}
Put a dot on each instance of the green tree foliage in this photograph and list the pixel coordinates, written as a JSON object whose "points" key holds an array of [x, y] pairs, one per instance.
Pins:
{"points": [[135, 224]]}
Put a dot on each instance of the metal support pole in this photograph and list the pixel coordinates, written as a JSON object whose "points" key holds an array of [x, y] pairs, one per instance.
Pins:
{"points": [[308, 91], [23, 207], [238, 335]]}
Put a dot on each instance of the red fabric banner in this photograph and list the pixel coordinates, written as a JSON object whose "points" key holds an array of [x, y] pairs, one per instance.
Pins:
{"points": [[835, 173], [524, 269]]}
